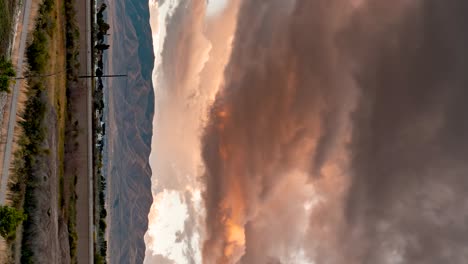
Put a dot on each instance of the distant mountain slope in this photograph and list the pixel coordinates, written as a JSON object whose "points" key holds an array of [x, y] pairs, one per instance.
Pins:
{"points": [[129, 128]]}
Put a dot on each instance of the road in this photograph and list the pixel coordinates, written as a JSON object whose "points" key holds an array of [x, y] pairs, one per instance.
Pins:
{"points": [[14, 103], [84, 187], [90, 131]]}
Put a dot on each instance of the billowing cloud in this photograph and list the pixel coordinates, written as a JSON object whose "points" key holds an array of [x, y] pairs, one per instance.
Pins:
{"points": [[409, 144], [325, 132], [339, 135], [280, 114], [158, 259], [191, 51]]}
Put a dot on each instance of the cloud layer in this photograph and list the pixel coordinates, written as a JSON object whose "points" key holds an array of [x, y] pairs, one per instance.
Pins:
{"points": [[191, 51], [325, 132], [339, 135]]}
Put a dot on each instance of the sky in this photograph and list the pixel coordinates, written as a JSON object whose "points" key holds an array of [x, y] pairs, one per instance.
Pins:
{"points": [[297, 131]]}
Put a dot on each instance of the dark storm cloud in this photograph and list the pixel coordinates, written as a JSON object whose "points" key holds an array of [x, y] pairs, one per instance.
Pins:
{"points": [[280, 86], [297, 68], [410, 143]]}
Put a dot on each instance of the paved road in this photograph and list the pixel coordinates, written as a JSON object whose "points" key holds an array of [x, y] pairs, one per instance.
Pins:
{"points": [[84, 187], [90, 131], [14, 103]]}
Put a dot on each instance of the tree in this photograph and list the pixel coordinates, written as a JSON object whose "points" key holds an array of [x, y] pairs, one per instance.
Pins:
{"points": [[4, 83], [102, 46], [10, 218], [103, 28], [102, 8], [6, 72], [99, 72], [6, 67]]}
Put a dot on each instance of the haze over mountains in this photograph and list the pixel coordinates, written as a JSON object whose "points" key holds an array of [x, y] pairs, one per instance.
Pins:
{"points": [[131, 104]]}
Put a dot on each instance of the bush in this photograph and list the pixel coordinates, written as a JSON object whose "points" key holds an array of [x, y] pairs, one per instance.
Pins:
{"points": [[6, 67], [6, 72], [37, 51], [4, 83], [10, 219]]}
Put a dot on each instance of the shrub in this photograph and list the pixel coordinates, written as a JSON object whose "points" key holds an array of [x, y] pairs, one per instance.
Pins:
{"points": [[10, 219], [6, 72]]}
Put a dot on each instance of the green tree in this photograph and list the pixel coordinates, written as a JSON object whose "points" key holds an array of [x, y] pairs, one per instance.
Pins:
{"points": [[102, 46], [4, 83], [10, 218], [103, 28], [6, 72]]}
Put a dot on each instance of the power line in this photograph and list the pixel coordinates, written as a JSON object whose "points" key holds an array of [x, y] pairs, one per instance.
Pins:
{"points": [[103, 76]]}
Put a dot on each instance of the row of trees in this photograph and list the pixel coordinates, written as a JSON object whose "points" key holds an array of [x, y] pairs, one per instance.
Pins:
{"points": [[99, 128], [101, 28]]}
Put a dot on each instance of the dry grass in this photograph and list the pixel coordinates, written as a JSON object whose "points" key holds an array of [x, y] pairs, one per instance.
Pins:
{"points": [[7, 8], [57, 90]]}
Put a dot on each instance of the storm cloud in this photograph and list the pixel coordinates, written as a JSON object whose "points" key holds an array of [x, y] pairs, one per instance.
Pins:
{"points": [[339, 135], [409, 147]]}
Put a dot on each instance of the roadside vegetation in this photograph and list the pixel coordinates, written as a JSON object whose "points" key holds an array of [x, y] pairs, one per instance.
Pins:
{"points": [[7, 13], [101, 29], [10, 219], [72, 34], [47, 111], [53, 48], [6, 73], [29, 158]]}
